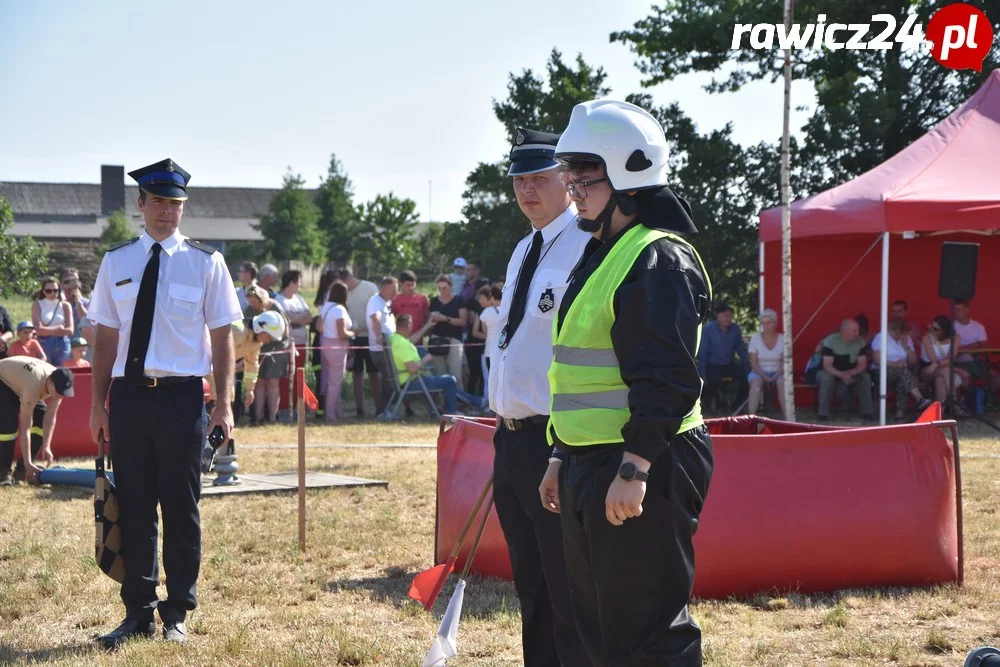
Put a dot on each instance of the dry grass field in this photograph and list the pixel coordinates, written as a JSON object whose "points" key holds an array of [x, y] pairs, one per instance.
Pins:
{"points": [[344, 601]]}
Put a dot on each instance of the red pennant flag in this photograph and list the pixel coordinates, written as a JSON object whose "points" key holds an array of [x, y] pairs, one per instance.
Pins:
{"points": [[931, 414], [311, 401], [427, 585]]}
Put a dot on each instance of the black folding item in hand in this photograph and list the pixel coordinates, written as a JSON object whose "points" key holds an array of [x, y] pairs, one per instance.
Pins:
{"points": [[142, 320], [518, 304], [108, 546]]}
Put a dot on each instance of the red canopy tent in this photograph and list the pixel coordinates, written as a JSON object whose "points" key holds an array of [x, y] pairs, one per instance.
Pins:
{"points": [[944, 186]]}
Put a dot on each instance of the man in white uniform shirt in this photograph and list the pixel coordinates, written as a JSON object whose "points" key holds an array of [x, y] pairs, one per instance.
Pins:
{"points": [[381, 324], [537, 276], [163, 305]]}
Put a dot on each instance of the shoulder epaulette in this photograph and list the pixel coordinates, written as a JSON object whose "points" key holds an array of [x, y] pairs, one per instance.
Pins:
{"points": [[204, 247], [122, 244]]}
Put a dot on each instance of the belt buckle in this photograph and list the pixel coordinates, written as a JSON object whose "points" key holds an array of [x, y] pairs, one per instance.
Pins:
{"points": [[511, 424], [150, 383]]}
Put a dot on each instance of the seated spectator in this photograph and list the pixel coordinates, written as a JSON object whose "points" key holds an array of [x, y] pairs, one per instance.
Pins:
{"points": [[864, 331], [899, 357], [26, 344], [972, 335], [721, 341], [901, 312], [935, 360], [408, 362], [77, 352], [844, 367], [766, 359]]}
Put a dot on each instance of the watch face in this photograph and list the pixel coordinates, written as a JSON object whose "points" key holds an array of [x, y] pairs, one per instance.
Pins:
{"points": [[627, 471]]}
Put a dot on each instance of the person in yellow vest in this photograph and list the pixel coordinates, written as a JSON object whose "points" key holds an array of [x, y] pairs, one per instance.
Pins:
{"points": [[632, 460], [265, 328]]}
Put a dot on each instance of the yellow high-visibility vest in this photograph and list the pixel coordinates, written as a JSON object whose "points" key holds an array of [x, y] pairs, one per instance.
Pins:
{"points": [[589, 400]]}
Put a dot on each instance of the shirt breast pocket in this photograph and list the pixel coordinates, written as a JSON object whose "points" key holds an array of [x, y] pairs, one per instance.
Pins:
{"points": [[547, 290], [124, 298], [184, 303]]}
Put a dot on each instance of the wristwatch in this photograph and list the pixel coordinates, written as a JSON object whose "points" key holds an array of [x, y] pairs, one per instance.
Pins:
{"points": [[628, 471]]}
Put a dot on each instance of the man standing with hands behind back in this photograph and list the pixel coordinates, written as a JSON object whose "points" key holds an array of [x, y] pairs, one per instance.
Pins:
{"points": [[163, 305], [519, 394]]}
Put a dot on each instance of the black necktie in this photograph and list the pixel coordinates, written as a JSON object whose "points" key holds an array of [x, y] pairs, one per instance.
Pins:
{"points": [[517, 305], [142, 320]]}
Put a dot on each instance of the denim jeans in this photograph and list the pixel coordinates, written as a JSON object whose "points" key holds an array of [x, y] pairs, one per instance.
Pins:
{"points": [[452, 394]]}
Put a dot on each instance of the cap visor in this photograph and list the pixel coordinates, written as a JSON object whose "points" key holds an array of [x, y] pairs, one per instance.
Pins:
{"points": [[531, 166], [69, 393], [166, 191]]}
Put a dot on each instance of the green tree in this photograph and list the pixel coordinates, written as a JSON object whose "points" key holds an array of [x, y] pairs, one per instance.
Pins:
{"points": [[494, 223], [870, 104], [338, 218], [433, 248], [119, 229], [22, 259], [386, 243], [290, 227]]}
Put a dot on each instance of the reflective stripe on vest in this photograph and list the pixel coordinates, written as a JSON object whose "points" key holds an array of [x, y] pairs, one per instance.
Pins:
{"points": [[589, 404]]}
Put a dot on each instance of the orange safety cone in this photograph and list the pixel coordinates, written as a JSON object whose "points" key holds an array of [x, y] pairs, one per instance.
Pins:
{"points": [[427, 585]]}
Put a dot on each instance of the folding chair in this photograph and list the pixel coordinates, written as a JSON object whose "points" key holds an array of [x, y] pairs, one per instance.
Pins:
{"points": [[414, 386]]}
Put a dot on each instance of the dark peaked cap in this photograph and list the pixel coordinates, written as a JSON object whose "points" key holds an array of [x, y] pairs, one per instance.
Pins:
{"points": [[532, 152], [164, 179]]}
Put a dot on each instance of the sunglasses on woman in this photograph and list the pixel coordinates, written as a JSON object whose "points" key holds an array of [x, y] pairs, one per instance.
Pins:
{"points": [[51, 291]]}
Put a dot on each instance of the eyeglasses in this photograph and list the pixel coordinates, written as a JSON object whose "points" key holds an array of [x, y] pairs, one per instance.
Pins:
{"points": [[579, 190], [70, 281], [51, 291]]}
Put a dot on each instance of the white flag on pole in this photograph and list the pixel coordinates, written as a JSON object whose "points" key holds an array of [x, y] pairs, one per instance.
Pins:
{"points": [[446, 643]]}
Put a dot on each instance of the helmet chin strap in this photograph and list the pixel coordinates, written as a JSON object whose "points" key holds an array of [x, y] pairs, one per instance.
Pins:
{"points": [[603, 220]]}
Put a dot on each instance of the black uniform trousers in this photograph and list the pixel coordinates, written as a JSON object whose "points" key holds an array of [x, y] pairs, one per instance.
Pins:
{"points": [[157, 435], [630, 584], [548, 633], [10, 446]]}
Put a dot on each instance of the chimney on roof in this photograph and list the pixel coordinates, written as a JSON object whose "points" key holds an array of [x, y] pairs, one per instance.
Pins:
{"points": [[112, 188]]}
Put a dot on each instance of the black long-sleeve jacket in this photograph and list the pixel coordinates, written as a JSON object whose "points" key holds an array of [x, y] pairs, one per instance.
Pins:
{"points": [[658, 308]]}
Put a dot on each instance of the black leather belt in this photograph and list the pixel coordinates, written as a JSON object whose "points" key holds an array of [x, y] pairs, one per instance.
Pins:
{"points": [[152, 383], [532, 423]]}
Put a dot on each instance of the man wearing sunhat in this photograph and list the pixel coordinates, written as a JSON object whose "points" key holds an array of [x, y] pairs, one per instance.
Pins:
{"points": [[163, 305], [31, 391], [537, 276]]}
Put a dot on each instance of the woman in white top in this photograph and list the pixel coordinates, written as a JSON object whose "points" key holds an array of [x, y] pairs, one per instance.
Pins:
{"points": [[489, 299], [296, 308], [335, 325], [899, 358], [935, 359], [766, 357], [53, 320]]}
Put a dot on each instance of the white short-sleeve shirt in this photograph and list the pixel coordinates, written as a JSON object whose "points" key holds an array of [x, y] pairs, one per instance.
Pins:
{"points": [[896, 351], [331, 313], [769, 359], [382, 309], [519, 381], [194, 293], [973, 332]]}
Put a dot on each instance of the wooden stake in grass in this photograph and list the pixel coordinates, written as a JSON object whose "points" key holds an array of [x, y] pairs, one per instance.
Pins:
{"points": [[300, 380]]}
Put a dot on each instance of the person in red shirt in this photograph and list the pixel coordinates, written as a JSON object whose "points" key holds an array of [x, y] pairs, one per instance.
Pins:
{"points": [[78, 349], [410, 302], [26, 344]]}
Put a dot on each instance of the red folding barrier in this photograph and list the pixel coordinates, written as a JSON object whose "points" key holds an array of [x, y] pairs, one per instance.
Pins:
{"points": [[791, 507]]}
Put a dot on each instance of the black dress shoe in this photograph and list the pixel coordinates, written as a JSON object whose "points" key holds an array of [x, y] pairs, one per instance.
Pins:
{"points": [[130, 627], [174, 631]]}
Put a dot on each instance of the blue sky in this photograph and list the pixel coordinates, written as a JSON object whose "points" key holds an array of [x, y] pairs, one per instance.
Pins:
{"points": [[237, 92]]}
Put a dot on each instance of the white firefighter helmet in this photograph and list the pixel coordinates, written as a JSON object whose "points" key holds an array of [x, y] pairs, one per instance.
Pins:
{"points": [[627, 138], [270, 322]]}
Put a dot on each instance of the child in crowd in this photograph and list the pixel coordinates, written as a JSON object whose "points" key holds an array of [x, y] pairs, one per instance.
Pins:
{"points": [[26, 344], [78, 350]]}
